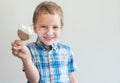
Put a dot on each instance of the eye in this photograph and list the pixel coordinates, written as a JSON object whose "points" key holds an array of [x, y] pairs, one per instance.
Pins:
{"points": [[55, 27], [43, 26]]}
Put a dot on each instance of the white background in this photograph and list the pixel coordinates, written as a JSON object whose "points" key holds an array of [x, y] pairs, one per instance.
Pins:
{"points": [[92, 29]]}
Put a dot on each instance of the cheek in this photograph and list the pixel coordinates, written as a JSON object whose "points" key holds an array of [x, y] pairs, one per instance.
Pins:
{"points": [[57, 33], [38, 31]]}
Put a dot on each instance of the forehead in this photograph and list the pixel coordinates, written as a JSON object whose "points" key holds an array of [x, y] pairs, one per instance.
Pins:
{"points": [[47, 18], [45, 14]]}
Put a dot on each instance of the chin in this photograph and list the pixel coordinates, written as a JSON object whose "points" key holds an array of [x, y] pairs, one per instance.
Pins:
{"points": [[48, 43]]}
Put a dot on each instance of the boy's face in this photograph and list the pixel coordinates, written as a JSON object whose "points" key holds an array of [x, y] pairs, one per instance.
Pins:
{"points": [[48, 27]]}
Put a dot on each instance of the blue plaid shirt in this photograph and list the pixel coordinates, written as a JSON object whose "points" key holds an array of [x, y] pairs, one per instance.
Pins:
{"points": [[53, 65]]}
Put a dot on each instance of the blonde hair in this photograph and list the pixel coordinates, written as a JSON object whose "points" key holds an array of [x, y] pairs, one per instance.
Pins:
{"points": [[47, 7]]}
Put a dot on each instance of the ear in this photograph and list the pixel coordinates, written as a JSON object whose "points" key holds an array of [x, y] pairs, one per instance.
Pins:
{"points": [[35, 29]]}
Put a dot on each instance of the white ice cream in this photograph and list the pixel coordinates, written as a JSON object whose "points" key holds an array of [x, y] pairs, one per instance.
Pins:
{"points": [[24, 32]]}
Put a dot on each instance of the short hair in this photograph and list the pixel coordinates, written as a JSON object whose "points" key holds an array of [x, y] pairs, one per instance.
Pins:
{"points": [[47, 7]]}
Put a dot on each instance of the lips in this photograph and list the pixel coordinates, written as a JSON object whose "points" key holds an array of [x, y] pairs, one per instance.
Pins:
{"points": [[48, 38]]}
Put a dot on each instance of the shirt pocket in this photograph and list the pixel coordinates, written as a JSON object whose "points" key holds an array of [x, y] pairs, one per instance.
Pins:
{"points": [[59, 61]]}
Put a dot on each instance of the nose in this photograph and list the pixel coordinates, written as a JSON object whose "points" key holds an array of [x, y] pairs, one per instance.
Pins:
{"points": [[49, 31]]}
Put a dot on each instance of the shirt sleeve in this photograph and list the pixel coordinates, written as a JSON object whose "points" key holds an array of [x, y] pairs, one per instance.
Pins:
{"points": [[71, 62]]}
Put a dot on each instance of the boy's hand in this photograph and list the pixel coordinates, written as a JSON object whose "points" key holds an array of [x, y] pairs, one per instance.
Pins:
{"points": [[20, 50]]}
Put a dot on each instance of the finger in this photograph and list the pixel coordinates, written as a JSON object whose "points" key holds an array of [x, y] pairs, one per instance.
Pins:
{"points": [[19, 42], [17, 47], [14, 51], [13, 44], [16, 43]]}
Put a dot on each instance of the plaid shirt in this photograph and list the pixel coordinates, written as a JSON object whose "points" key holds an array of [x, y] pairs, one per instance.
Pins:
{"points": [[53, 65]]}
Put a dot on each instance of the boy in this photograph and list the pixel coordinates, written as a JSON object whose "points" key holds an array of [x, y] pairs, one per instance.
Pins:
{"points": [[46, 60]]}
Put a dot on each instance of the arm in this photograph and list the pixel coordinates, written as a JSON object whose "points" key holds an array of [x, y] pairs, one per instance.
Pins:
{"points": [[72, 78], [21, 51], [31, 71]]}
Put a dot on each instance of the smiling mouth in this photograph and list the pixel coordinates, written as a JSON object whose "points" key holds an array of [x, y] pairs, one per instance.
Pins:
{"points": [[49, 38]]}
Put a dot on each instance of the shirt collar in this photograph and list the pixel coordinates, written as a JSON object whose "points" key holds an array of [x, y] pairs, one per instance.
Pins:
{"points": [[43, 46]]}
